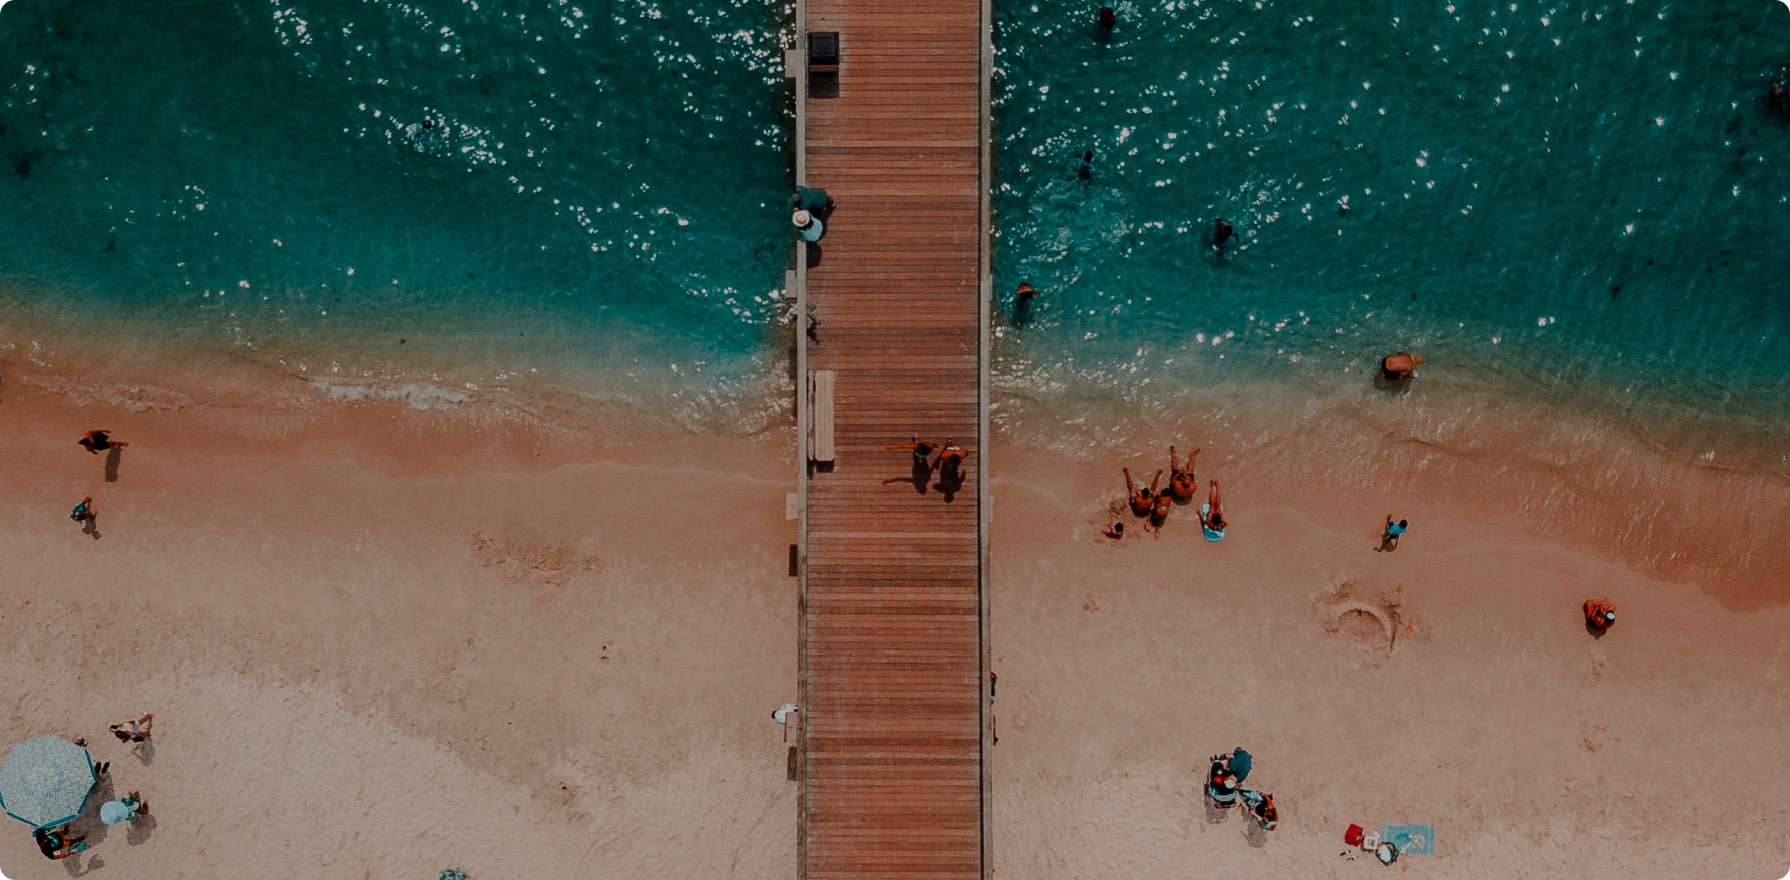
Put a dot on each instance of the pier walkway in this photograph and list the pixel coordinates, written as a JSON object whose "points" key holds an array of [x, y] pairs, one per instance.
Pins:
{"points": [[893, 730]]}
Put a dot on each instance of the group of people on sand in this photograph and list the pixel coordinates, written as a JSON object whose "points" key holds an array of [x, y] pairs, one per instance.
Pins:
{"points": [[948, 465], [1152, 503], [95, 442], [59, 842], [1224, 785]]}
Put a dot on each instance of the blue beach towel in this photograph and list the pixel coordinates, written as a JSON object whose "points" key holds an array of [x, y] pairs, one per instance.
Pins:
{"points": [[1411, 840], [1213, 535]]}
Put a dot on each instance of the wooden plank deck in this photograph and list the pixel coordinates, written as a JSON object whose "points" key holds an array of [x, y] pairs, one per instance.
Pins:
{"points": [[893, 740]]}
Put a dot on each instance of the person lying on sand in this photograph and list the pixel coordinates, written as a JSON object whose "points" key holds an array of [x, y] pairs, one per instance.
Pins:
{"points": [[134, 731], [1212, 514], [57, 845]]}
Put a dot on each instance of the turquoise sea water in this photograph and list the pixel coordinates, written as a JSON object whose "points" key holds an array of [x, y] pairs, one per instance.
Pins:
{"points": [[1574, 211], [513, 187], [1579, 199]]}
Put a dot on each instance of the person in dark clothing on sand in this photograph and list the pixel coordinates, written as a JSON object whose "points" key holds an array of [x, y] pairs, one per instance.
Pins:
{"points": [[99, 441]]}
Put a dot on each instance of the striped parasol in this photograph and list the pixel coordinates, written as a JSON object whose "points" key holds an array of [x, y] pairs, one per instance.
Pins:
{"points": [[45, 781]]}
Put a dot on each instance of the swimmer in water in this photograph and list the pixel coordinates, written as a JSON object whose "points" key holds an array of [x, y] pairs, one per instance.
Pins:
{"points": [[1401, 366]]}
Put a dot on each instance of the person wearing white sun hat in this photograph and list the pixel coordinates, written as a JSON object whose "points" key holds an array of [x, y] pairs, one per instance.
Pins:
{"points": [[808, 226]]}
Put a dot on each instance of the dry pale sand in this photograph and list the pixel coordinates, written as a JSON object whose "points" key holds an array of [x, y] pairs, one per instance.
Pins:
{"points": [[380, 642], [1535, 749]]}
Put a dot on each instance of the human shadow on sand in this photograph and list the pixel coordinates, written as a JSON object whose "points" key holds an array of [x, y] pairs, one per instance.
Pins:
{"points": [[112, 458], [138, 831]]}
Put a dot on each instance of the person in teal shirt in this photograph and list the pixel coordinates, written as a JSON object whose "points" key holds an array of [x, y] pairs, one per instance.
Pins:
{"points": [[127, 810], [808, 226], [812, 199], [1389, 539]]}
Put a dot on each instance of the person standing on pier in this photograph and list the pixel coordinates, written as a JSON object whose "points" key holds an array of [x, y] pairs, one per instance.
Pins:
{"points": [[808, 226]]}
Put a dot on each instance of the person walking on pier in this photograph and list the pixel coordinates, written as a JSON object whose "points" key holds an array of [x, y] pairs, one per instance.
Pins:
{"points": [[950, 463], [922, 451]]}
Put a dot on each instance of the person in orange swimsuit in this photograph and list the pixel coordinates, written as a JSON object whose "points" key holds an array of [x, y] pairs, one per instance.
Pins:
{"points": [[1142, 501], [1182, 483], [1160, 508], [950, 463], [1600, 614]]}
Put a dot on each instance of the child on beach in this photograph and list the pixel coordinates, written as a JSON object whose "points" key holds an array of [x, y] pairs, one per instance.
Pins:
{"points": [[1116, 531], [83, 512]]}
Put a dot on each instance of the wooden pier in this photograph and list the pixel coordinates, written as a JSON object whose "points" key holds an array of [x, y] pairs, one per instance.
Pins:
{"points": [[893, 737]]}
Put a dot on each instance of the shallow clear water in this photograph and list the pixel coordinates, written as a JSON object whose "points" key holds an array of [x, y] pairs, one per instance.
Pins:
{"points": [[511, 187], [1571, 199], [1571, 210]]}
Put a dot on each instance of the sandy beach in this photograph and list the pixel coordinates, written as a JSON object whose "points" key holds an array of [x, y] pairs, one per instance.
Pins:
{"points": [[384, 641]]}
